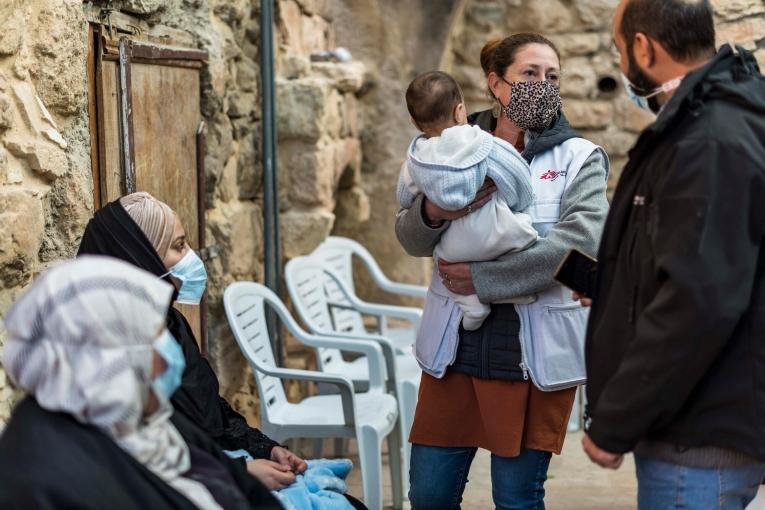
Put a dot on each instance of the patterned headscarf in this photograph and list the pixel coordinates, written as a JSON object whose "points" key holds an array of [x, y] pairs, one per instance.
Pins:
{"points": [[156, 219], [80, 340]]}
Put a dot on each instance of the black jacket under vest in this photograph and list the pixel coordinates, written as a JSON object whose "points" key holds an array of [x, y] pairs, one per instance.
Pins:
{"points": [[676, 338]]}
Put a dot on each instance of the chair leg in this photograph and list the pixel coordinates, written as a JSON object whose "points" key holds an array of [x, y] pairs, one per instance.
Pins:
{"points": [[407, 403], [395, 452], [370, 460], [318, 448], [341, 447]]}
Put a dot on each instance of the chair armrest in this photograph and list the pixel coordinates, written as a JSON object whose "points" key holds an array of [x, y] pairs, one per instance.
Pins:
{"points": [[388, 350], [371, 349], [404, 289], [400, 312], [343, 384]]}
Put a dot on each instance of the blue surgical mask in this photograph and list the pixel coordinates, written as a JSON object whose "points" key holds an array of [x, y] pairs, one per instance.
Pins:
{"points": [[641, 100], [169, 380], [190, 270]]}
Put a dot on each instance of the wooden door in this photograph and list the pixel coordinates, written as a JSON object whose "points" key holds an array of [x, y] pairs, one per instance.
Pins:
{"points": [[148, 103]]}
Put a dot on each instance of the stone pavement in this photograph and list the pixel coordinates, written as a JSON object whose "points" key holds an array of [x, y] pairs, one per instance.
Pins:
{"points": [[574, 483]]}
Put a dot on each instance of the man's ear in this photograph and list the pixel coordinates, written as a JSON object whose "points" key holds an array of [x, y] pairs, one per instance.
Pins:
{"points": [[642, 50]]}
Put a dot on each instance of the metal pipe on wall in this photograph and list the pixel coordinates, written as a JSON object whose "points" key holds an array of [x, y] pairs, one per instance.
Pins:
{"points": [[271, 241]]}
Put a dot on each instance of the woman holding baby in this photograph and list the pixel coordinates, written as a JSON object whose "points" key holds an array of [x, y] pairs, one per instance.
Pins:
{"points": [[490, 396]]}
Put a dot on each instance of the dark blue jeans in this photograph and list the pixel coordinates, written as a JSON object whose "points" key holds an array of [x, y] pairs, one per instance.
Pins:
{"points": [[664, 486], [438, 476]]}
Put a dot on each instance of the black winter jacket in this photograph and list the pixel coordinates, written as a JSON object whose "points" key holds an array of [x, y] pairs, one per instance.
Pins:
{"points": [[676, 339]]}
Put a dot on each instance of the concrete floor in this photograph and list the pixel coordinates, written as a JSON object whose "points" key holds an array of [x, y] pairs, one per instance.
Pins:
{"points": [[574, 483]]}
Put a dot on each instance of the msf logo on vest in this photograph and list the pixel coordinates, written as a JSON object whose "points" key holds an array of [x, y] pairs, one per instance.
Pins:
{"points": [[552, 175]]}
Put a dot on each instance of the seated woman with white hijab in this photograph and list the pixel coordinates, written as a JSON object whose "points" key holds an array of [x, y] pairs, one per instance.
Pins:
{"points": [[88, 343]]}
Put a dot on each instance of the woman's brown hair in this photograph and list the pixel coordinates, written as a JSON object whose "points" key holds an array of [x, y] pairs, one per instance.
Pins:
{"points": [[499, 54]]}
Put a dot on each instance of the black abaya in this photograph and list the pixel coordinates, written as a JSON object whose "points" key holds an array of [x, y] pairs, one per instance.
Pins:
{"points": [[49, 461]]}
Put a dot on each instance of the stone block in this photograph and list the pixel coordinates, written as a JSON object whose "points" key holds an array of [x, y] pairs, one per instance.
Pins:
{"points": [[303, 230], [542, 16], [142, 6], [311, 172], [588, 114], [347, 169], [290, 25], [350, 116], [6, 113], [352, 211], [249, 176], [730, 10], [314, 34], [241, 103], [19, 246], [56, 60], [227, 189], [576, 44], [486, 14], [12, 26], [746, 32], [293, 66], [248, 75], [596, 14], [344, 76], [471, 78], [305, 109], [307, 7], [48, 161], [67, 208], [579, 78], [238, 228]]}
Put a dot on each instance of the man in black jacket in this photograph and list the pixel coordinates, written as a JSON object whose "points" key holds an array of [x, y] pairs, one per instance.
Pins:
{"points": [[676, 339]]}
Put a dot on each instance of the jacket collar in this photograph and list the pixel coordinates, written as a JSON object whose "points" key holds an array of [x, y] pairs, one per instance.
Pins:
{"points": [[691, 88]]}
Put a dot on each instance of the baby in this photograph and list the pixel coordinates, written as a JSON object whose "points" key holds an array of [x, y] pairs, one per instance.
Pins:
{"points": [[449, 163]]}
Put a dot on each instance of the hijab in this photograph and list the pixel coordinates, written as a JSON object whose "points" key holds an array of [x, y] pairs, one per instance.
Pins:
{"points": [[81, 341], [155, 218]]}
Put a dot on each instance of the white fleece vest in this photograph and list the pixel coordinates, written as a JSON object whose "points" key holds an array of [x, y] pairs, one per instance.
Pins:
{"points": [[553, 326]]}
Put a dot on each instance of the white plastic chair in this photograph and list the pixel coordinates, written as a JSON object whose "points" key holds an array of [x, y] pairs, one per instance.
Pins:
{"points": [[369, 417], [307, 281], [338, 253]]}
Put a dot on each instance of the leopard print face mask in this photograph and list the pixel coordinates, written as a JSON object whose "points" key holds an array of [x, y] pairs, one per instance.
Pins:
{"points": [[533, 104]]}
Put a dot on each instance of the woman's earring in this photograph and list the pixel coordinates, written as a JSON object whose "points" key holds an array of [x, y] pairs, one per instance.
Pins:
{"points": [[496, 109]]}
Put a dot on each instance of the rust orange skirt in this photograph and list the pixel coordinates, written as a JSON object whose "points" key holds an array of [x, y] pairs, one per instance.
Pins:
{"points": [[500, 416]]}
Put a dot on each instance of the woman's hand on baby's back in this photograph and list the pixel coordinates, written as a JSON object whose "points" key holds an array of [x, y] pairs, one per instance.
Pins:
{"points": [[435, 216]]}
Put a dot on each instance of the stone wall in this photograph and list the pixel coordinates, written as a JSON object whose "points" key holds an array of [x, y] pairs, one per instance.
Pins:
{"points": [[46, 188], [593, 96]]}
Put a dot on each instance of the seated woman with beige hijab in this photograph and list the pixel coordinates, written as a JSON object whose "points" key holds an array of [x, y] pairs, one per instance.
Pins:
{"points": [[89, 344], [147, 233]]}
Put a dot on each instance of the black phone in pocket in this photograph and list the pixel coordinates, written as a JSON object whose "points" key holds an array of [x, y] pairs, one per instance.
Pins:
{"points": [[578, 272]]}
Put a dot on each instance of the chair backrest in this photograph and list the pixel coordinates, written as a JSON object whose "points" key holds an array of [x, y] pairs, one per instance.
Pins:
{"points": [[337, 253], [245, 304], [307, 284]]}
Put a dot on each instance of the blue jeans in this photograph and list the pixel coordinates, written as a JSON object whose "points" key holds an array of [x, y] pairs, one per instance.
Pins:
{"points": [[664, 486], [438, 476]]}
